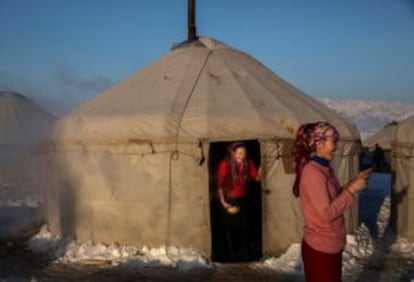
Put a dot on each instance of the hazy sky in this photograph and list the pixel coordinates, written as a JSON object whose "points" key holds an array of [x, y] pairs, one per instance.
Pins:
{"points": [[64, 52]]}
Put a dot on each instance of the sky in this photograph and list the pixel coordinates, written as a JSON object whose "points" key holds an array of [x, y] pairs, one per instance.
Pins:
{"points": [[62, 53]]}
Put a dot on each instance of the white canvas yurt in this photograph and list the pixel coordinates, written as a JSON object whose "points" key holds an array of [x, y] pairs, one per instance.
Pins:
{"points": [[23, 125], [402, 216], [128, 166], [383, 138]]}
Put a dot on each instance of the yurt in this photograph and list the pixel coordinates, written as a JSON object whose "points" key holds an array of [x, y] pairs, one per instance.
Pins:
{"points": [[383, 138], [402, 197], [135, 164], [23, 125]]}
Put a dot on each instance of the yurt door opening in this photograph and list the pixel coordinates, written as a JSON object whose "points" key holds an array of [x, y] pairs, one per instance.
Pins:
{"points": [[236, 215]]}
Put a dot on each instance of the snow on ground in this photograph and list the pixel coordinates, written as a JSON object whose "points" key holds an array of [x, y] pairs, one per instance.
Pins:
{"points": [[70, 251], [21, 213], [360, 246], [67, 251], [20, 195], [290, 261]]}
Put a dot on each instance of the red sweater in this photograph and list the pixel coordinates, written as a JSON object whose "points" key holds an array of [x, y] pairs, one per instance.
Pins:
{"points": [[323, 203], [238, 188]]}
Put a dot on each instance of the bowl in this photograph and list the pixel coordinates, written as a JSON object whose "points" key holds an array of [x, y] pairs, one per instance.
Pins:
{"points": [[233, 210]]}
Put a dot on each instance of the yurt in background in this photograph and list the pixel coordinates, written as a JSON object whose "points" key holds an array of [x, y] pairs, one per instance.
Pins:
{"points": [[402, 197], [23, 125], [382, 138], [134, 165]]}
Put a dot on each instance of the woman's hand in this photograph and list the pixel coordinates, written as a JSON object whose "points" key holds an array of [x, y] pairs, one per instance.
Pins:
{"points": [[225, 204], [259, 174], [365, 173], [222, 199], [360, 182]]}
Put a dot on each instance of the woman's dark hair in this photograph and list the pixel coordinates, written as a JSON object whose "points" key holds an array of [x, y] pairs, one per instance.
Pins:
{"points": [[233, 146]]}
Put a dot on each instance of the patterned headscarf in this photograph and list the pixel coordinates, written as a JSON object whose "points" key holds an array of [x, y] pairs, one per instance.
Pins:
{"points": [[243, 167], [307, 137]]}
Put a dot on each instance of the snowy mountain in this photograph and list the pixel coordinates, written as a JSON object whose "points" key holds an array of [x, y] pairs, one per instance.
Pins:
{"points": [[370, 116]]}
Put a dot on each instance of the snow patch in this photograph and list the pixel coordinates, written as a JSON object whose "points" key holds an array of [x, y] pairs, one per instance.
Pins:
{"points": [[360, 247], [290, 261], [22, 195], [68, 251]]}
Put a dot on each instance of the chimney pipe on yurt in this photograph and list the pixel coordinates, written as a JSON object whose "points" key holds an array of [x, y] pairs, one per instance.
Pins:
{"points": [[191, 21]]}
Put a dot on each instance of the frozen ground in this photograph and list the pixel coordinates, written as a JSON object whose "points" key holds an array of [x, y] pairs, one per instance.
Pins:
{"points": [[52, 259], [48, 258], [21, 213]]}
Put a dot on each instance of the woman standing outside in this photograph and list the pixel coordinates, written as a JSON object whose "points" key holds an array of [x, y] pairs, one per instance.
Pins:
{"points": [[323, 201], [233, 178]]}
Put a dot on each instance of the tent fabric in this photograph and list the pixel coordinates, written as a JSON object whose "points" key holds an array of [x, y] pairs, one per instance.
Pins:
{"points": [[23, 125], [129, 165], [403, 190], [198, 91], [383, 138]]}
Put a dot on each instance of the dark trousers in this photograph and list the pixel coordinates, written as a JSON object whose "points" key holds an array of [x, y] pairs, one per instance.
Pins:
{"points": [[236, 227], [321, 267]]}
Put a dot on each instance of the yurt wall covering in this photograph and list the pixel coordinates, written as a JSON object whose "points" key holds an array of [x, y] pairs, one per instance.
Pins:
{"points": [[128, 164], [23, 125], [383, 138], [403, 189]]}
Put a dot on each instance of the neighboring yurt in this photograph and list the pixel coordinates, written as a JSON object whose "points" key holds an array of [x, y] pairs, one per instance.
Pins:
{"points": [[402, 200], [383, 138], [23, 125], [134, 164]]}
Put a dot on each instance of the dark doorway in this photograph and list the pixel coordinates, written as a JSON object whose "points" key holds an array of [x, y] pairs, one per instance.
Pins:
{"points": [[220, 249]]}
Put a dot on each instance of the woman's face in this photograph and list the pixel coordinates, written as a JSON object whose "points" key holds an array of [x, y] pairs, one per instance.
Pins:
{"points": [[239, 154], [326, 148]]}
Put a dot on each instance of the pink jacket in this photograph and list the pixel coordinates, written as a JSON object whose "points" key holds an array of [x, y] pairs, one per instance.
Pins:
{"points": [[323, 203]]}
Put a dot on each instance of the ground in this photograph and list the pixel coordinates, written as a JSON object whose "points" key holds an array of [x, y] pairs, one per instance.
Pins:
{"points": [[44, 258]]}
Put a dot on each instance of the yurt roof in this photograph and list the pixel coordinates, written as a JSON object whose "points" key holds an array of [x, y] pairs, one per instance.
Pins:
{"points": [[20, 118], [383, 137], [405, 132], [202, 89]]}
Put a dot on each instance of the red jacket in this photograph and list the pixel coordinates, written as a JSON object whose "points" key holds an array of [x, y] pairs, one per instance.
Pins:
{"points": [[323, 203], [237, 188]]}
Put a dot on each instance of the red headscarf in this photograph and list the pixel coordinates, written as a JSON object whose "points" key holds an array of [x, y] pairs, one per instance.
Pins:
{"points": [[306, 138]]}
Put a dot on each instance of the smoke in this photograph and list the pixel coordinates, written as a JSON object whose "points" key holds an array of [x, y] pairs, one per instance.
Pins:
{"points": [[63, 90], [70, 79]]}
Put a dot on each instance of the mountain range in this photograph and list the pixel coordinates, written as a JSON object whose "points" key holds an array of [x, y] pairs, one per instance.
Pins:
{"points": [[370, 116]]}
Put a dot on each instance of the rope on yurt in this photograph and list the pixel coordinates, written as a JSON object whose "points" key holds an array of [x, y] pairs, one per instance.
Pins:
{"points": [[180, 119], [173, 157]]}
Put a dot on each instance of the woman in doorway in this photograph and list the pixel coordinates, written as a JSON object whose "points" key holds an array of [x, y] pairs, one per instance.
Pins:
{"points": [[233, 178], [323, 201]]}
